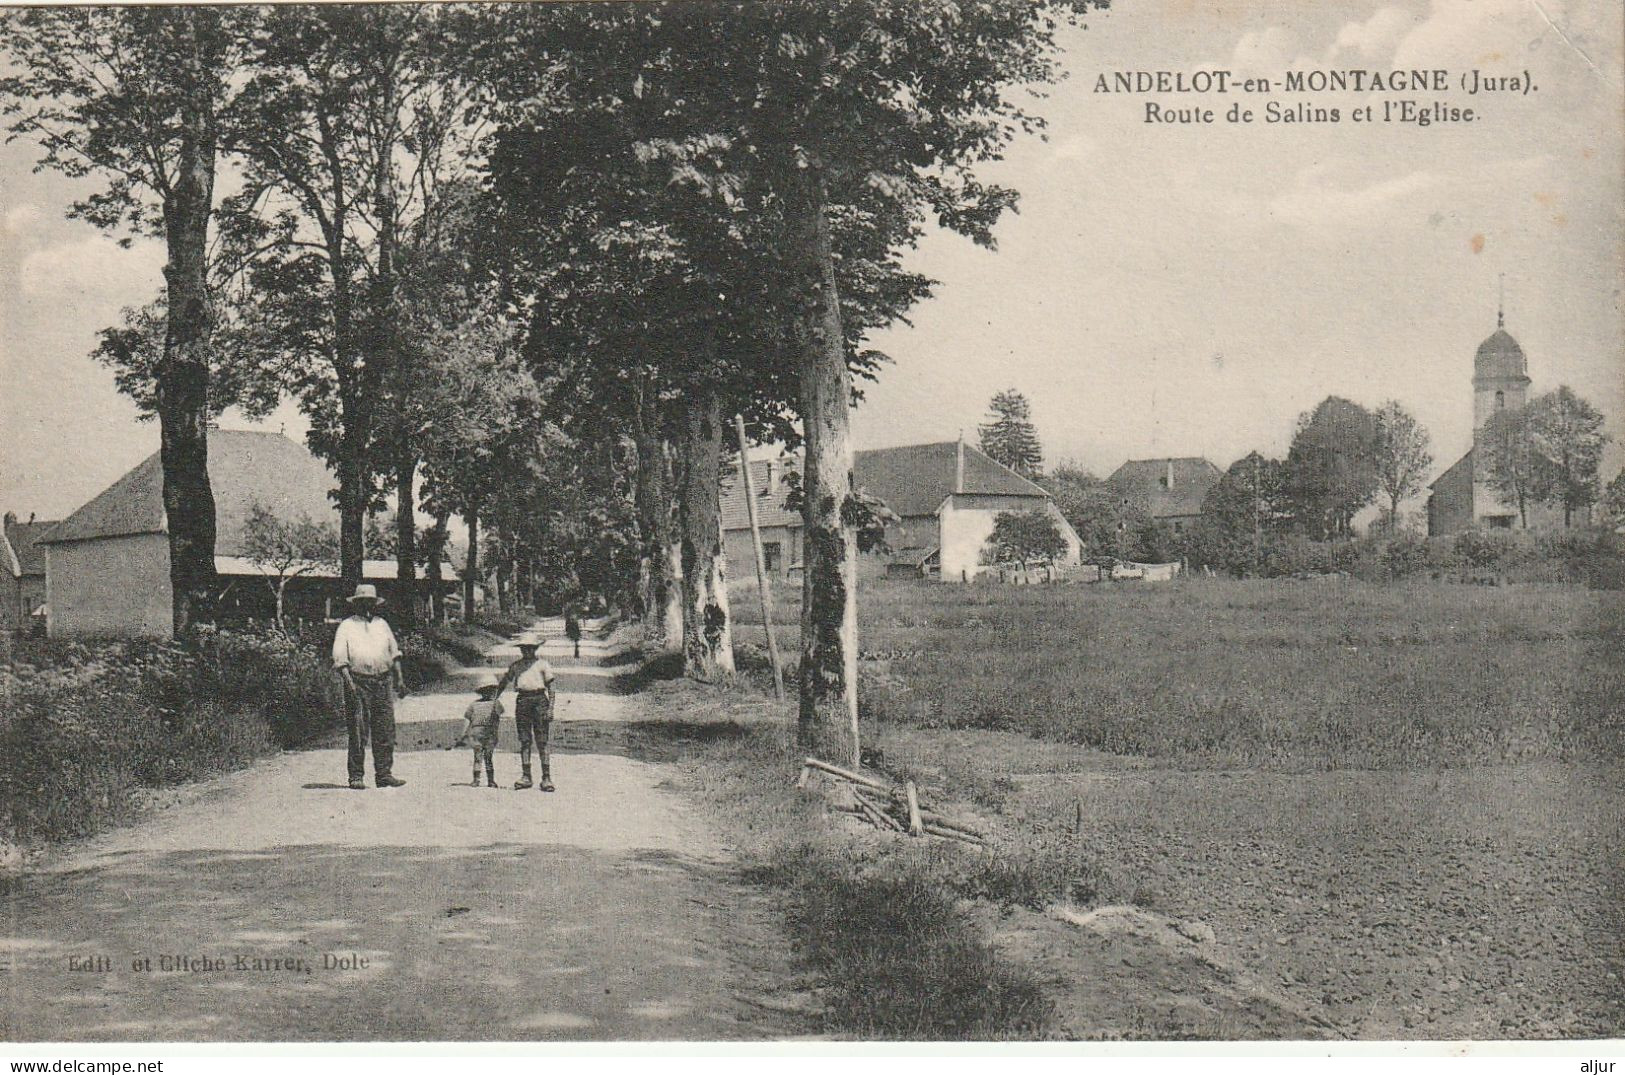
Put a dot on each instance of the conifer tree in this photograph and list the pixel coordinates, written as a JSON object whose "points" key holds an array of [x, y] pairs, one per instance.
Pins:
{"points": [[1008, 436]]}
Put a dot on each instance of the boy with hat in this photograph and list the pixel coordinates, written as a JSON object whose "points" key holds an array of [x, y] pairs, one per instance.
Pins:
{"points": [[369, 661], [480, 721], [532, 681]]}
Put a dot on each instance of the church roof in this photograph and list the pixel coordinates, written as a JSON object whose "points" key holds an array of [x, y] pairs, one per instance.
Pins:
{"points": [[1499, 357]]}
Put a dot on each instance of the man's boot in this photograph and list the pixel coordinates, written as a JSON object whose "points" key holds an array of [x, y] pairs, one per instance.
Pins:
{"points": [[547, 780], [524, 779]]}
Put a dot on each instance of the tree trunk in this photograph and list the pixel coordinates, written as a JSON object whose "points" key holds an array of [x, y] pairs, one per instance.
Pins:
{"points": [[707, 626], [406, 537], [499, 569], [183, 375], [281, 587], [658, 587], [471, 565], [352, 470], [435, 553], [829, 609]]}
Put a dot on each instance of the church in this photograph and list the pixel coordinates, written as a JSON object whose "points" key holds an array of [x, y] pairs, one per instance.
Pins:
{"points": [[1462, 498]]}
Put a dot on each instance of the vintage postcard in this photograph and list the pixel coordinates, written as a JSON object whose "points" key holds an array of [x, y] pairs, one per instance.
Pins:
{"points": [[1030, 521]]}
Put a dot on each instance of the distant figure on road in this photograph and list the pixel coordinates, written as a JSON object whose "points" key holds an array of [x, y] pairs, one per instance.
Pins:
{"points": [[532, 681], [369, 661], [480, 722], [572, 629]]}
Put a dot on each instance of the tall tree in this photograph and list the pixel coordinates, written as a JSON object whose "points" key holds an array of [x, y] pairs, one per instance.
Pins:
{"points": [[1331, 467], [134, 96], [1566, 442], [1009, 437], [1502, 450], [1613, 502], [1402, 457], [346, 125], [1245, 512]]}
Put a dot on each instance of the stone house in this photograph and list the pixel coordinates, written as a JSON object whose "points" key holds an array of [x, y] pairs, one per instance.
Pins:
{"points": [[1170, 490], [946, 496], [23, 605], [107, 564]]}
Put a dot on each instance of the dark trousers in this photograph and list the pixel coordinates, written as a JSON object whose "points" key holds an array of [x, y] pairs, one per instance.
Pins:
{"points": [[372, 716], [533, 714]]}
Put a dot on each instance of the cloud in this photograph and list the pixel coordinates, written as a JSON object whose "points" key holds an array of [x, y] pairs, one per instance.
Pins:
{"points": [[20, 219], [1376, 38], [94, 267], [1265, 52], [1315, 200]]}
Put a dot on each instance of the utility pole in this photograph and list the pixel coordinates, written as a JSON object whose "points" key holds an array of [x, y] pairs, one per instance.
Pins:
{"points": [[762, 586]]}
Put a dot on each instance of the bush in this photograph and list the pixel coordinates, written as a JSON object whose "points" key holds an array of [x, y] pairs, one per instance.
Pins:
{"points": [[84, 727], [1494, 548]]}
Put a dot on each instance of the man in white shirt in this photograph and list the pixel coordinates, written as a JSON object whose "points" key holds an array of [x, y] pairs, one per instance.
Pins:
{"points": [[369, 661]]}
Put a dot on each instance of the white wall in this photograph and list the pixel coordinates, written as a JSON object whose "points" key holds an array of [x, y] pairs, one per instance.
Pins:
{"points": [[966, 523], [109, 586]]}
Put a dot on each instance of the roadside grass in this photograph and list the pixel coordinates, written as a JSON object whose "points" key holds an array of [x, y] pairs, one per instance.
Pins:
{"points": [[1317, 674], [887, 927]]}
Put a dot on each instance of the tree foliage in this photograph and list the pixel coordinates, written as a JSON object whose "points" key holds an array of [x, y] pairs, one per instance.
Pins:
{"points": [[1566, 442], [1332, 468], [1008, 435], [1403, 458], [1023, 537]]}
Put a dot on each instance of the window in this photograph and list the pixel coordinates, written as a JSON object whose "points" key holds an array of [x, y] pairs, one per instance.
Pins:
{"points": [[1500, 401], [770, 555]]}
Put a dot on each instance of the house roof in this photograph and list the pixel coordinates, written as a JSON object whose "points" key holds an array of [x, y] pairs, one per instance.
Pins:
{"points": [[24, 556], [767, 482], [1450, 471], [245, 467], [913, 480], [1192, 476]]}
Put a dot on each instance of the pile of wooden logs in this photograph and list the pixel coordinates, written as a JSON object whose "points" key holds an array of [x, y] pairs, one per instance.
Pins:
{"points": [[892, 808]]}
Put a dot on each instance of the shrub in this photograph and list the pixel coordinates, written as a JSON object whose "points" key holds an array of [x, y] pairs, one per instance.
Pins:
{"points": [[1493, 548], [1405, 555], [84, 727]]}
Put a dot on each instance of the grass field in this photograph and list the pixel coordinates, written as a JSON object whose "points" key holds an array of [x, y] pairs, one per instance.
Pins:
{"points": [[1398, 807], [1317, 674]]}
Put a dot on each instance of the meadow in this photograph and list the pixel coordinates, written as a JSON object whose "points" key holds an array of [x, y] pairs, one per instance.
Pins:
{"points": [[1314, 674], [1396, 805]]}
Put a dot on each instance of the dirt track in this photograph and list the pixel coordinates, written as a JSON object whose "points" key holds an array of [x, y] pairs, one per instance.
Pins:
{"points": [[601, 911]]}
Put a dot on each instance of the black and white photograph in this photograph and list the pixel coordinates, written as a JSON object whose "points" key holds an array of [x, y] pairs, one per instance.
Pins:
{"points": [[813, 523]]}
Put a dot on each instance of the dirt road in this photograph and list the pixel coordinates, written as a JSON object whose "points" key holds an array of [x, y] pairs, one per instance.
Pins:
{"points": [[278, 904]]}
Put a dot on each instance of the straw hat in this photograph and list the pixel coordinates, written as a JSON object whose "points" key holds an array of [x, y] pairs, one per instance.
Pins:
{"points": [[366, 591], [486, 681], [530, 639]]}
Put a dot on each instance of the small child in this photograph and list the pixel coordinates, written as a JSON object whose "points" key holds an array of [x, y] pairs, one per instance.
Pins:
{"points": [[480, 722]]}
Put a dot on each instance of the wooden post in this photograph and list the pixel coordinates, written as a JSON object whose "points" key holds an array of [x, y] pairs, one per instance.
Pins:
{"points": [[916, 825], [761, 560]]}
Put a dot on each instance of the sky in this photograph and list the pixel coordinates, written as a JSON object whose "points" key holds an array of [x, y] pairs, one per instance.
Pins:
{"points": [[1163, 290]]}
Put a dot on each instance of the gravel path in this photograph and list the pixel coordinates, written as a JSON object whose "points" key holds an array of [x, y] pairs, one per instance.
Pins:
{"points": [[280, 905]]}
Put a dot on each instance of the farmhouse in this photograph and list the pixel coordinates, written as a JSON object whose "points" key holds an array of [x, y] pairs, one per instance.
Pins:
{"points": [[1462, 497], [1170, 491], [107, 564], [22, 606], [946, 496]]}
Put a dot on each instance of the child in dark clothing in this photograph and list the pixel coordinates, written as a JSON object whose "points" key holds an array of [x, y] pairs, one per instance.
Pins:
{"points": [[480, 728]]}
